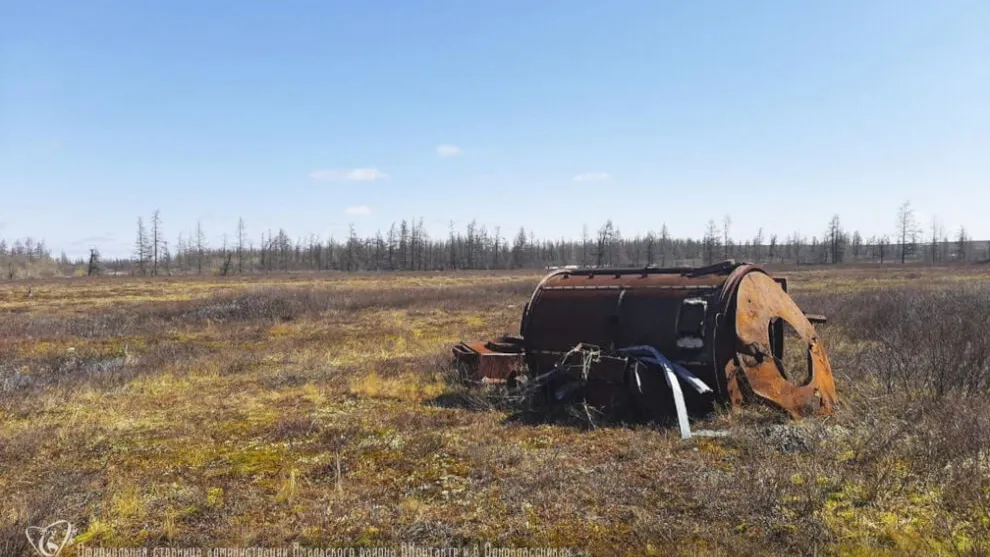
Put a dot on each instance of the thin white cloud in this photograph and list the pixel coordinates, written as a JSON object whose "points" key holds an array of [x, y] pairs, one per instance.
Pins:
{"points": [[448, 150], [358, 211], [592, 177], [366, 175], [353, 175]]}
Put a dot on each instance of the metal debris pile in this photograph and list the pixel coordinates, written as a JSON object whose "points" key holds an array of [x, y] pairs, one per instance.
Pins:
{"points": [[651, 344]]}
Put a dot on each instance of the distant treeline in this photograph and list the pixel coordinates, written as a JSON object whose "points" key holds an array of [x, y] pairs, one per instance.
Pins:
{"points": [[407, 246]]}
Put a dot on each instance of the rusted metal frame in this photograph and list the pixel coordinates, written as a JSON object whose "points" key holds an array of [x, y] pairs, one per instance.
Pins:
{"points": [[721, 267], [488, 362], [634, 287], [727, 378]]}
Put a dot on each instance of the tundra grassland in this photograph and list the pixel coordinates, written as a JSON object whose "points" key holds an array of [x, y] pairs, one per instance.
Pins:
{"points": [[321, 410]]}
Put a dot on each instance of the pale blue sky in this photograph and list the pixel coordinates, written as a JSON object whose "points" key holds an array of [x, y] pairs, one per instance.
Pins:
{"points": [[312, 115]]}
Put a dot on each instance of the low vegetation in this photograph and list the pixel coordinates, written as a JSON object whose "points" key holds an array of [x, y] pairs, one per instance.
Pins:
{"points": [[321, 410]]}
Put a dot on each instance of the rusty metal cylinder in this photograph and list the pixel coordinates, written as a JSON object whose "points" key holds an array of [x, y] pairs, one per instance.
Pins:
{"points": [[689, 315]]}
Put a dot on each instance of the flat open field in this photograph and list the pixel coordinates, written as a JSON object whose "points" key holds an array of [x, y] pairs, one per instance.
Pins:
{"points": [[320, 410]]}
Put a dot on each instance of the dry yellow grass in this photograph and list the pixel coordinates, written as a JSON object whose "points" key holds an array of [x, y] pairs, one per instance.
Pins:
{"points": [[313, 409]]}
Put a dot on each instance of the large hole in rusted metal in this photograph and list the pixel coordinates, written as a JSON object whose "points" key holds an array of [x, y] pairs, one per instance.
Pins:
{"points": [[795, 357]]}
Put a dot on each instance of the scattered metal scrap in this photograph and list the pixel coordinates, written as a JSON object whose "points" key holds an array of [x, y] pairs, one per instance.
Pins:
{"points": [[626, 340]]}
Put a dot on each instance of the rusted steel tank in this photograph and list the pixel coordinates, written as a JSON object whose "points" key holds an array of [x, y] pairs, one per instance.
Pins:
{"points": [[724, 324]]}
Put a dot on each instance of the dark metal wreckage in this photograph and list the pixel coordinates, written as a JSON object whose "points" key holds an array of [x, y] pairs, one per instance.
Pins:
{"points": [[658, 343]]}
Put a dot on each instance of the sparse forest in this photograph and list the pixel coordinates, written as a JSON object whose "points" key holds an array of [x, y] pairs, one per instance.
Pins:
{"points": [[408, 246]]}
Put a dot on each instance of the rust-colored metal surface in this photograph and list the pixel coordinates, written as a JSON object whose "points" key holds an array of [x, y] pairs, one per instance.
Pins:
{"points": [[489, 362], [719, 329], [760, 304]]}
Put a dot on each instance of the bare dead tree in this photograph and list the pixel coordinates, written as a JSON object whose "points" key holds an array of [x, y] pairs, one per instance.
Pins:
{"points": [[758, 245], [835, 238], [141, 247], [330, 251], [907, 229], [857, 245], [726, 242], [498, 240], [664, 244], [403, 245], [350, 260], [200, 247], [584, 245], [797, 245], [241, 238], [710, 242], [226, 257], [156, 240], [937, 233], [166, 258], [519, 249], [603, 251], [470, 243], [962, 242], [452, 246]]}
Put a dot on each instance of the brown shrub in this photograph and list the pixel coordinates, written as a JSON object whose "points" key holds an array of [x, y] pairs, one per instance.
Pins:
{"points": [[920, 342]]}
